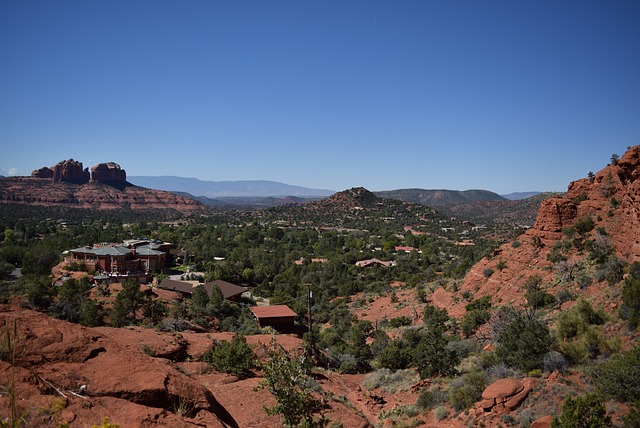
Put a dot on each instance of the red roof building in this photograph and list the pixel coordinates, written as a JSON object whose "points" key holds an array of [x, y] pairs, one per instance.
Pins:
{"points": [[280, 317]]}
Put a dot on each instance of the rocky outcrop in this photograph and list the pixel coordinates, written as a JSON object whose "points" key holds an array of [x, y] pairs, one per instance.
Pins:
{"points": [[610, 198], [505, 395], [70, 171], [44, 172], [109, 172], [93, 195], [88, 368]]}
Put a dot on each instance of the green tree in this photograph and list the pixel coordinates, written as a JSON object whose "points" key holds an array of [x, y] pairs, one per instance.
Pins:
{"points": [[619, 377], [586, 411], [630, 308], [234, 356], [127, 303], [524, 342], [199, 298], [432, 357], [91, 314], [39, 291], [288, 379], [71, 296]]}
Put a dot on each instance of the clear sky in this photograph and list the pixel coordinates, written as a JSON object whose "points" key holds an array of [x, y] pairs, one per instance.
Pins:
{"points": [[498, 95]]}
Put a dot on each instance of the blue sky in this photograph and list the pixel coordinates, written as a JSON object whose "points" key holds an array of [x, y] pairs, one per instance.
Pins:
{"points": [[498, 95]]}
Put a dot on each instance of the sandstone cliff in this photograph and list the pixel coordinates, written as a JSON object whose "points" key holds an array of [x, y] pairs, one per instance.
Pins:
{"points": [[67, 184], [610, 199]]}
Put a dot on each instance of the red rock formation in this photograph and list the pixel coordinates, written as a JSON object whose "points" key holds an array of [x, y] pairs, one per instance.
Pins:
{"points": [[44, 172], [98, 375], [505, 395], [109, 172], [93, 195], [70, 171], [611, 198]]}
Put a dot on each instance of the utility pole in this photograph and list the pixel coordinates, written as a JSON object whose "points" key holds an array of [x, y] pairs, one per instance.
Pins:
{"points": [[309, 297]]}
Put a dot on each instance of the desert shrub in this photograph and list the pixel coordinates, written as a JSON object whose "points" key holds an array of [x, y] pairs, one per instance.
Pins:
{"points": [[619, 377], [584, 411], [476, 315], [563, 296], [390, 380], [539, 299], [575, 321], [498, 371], [434, 316], [523, 343], [584, 225], [234, 356], [464, 391], [463, 348], [554, 360], [349, 365], [432, 357], [634, 270], [399, 322], [584, 281], [576, 352], [487, 272], [429, 398], [632, 419], [395, 356], [106, 423], [440, 413], [630, 308], [610, 269]]}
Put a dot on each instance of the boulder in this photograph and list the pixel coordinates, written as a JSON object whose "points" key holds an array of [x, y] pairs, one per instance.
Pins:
{"points": [[505, 395], [502, 388], [543, 422]]}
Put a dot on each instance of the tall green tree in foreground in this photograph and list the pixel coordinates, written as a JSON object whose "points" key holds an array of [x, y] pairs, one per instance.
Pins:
{"points": [[287, 377]]}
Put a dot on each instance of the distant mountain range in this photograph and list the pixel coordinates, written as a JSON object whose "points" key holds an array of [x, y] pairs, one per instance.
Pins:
{"points": [[223, 189], [232, 190], [440, 197]]}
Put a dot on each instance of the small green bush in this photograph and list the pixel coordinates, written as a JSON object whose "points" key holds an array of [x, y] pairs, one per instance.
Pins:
{"points": [[234, 356], [440, 413], [466, 390], [586, 411], [619, 377]]}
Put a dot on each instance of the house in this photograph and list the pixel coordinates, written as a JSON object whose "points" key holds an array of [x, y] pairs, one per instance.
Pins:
{"points": [[130, 257], [229, 291], [406, 249], [374, 261], [280, 317], [134, 259], [185, 289], [301, 260]]}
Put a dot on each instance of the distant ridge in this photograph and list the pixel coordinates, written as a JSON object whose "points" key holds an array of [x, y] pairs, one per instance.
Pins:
{"points": [[440, 197], [515, 196], [218, 189]]}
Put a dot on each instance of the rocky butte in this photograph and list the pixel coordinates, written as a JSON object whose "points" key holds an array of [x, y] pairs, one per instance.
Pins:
{"points": [[103, 187]]}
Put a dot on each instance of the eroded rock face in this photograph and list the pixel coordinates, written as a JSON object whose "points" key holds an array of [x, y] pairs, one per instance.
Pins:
{"points": [[44, 172], [58, 359], [610, 198], [109, 172], [70, 171]]}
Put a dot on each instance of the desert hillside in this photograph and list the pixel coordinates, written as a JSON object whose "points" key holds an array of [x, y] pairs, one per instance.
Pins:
{"points": [[354, 311]]}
